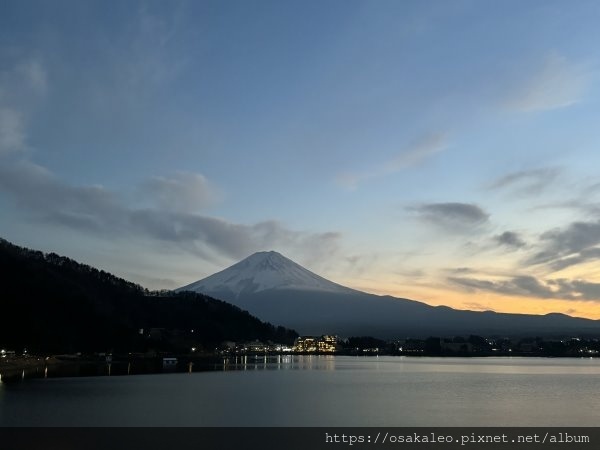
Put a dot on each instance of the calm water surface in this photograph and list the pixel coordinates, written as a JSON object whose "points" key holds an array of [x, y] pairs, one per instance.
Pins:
{"points": [[322, 391]]}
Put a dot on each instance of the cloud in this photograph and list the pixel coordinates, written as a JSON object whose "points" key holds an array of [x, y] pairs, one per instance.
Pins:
{"points": [[34, 75], [574, 243], [591, 254], [209, 233], [510, 239], [421, 150], [38, 191], [96, 210], [181, 191], [415, 154], [528, 286], [452, 216], [557, 83], [579, 289], [527, 182], [459, 270], [169, 206], [12, 132], [21, 85], [22, 81], [507, 287]]}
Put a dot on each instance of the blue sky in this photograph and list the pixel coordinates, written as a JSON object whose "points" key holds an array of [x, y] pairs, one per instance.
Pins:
{"points": [[443, 151]]}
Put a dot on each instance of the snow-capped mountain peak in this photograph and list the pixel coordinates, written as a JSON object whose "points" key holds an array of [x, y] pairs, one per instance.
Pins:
{"points": [[263, 271]]}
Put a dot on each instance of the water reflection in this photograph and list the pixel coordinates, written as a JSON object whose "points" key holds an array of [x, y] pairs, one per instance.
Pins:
{"points": [[329, 363], [279, 362], [261, 362]]}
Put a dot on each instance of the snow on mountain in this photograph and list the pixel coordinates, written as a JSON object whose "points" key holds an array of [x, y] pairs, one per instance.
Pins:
{"points": [[264, 271]]}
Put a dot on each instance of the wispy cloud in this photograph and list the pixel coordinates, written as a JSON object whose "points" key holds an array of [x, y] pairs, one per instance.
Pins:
{"points": [[415, 154], [510, 239], [166, 208], [520, 286], [574, 244], [527, 182], [96, 210], [421, 150], [584, 256], [23, 79], [459, 270], [41, 194], [557, 83], [528, 286], [21, 83], [181, 191], [12, 131], [451, 216], [33, 74]]}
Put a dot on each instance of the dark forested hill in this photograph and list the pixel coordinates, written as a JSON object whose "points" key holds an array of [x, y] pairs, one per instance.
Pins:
{"points": [[50, 303]]}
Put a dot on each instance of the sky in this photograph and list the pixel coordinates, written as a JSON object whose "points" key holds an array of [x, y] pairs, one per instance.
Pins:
{"points": [[443, 151]]}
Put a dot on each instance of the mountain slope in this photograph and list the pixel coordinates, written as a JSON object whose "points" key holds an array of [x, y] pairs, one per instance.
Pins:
{"points": [[50, 303], [264, 271], [278, 290]]}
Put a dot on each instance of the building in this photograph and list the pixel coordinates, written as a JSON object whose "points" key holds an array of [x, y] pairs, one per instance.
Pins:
{"points": [[169, 363], [312, 344], [255, 347], [327, 344]]}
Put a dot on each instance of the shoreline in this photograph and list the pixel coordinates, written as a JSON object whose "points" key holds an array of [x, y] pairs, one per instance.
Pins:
{"points": [[68, 366]]}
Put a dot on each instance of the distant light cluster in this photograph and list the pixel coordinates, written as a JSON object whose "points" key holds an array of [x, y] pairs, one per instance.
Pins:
{"points": [[310, 344]]}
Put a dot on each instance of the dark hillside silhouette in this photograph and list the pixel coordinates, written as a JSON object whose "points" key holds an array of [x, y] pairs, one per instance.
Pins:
{"points": [[50, 303]]}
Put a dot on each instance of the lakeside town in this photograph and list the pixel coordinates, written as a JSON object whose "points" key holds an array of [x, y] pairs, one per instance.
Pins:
{"points": [[15, 365], [432, 346]]}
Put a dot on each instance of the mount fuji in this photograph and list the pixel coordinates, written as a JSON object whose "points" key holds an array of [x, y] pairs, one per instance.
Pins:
{"points": [[276, 289], [265, 271]]}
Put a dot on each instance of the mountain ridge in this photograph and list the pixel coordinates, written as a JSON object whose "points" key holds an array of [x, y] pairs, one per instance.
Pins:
{"points": [[320, 306]]}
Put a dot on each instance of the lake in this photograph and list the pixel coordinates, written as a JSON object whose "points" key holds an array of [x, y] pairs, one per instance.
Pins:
{"points": [[322, 391]]}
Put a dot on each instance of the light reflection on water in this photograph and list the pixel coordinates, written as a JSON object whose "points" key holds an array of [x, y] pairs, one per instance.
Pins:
{"points": [[316, 390], [280, 362]]}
